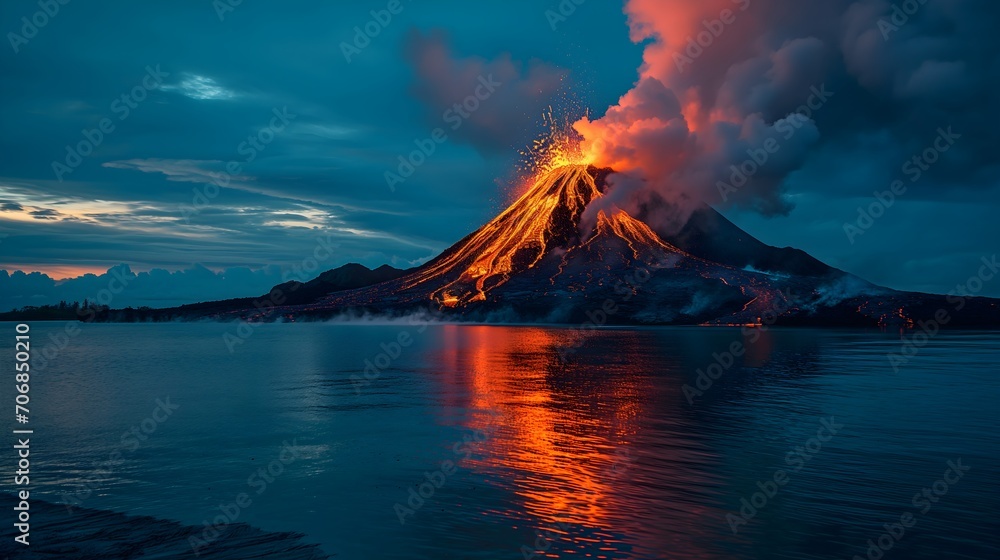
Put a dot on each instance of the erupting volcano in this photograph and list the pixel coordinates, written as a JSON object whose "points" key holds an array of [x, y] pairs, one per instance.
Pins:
{"points": [[565, 252], [543, 258], [545, 223]]}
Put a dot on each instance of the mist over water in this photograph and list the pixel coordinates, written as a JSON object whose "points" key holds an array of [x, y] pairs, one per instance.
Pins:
{"points": [[603, 454]]}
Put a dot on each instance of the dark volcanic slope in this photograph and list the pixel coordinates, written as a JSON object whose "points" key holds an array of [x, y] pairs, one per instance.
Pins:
{"points": [[711, 236], [347, 277]]}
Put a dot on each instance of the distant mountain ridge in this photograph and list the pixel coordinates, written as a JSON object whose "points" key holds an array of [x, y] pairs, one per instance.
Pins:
{"points": [[347, 277]]}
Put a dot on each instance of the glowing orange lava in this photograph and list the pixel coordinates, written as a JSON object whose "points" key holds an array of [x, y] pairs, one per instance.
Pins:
{"points": [[560, 146], [516, 239], [636, 233]]}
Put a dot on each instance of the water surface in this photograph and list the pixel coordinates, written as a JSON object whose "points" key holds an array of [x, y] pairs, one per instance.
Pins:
{"points": [[519, 452]]}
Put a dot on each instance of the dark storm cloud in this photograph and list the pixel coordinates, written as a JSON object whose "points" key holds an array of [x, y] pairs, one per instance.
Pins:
{"points": [[897, 79], [494, 105], [905, 77]]}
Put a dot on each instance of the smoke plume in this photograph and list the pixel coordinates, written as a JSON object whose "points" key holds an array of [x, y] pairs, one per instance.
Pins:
{"points": [[734, 96]]}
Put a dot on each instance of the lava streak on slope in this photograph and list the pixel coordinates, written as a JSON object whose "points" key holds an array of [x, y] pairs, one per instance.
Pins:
{"points": [[544, 218], [636, 233]]}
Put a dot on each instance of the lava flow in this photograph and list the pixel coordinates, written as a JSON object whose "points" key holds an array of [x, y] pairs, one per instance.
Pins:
{"points": [[636, 233], [545, 217]]}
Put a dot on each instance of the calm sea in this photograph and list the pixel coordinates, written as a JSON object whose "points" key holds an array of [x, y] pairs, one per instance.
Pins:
{"points": [[403, 441]]}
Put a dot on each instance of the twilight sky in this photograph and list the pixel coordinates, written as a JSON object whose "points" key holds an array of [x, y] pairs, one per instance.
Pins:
{"points": [[236, 142]]}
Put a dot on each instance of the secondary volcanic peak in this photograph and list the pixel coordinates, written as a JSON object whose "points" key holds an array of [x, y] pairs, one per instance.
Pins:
{"points": [[545, 218], [635, 233]]}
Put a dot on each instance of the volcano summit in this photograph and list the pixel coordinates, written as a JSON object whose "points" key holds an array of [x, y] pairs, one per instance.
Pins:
{"points": [[555, 257]]}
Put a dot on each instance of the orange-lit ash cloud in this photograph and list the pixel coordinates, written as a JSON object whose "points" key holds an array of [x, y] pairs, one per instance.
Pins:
{"points": [[687, 119]]}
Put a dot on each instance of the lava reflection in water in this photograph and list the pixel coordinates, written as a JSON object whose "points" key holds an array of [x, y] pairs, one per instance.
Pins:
{"points": [[563, 439]]}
